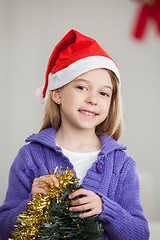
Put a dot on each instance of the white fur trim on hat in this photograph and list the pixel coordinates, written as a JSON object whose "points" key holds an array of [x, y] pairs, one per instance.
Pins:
{"points": [[39, 95], [79, 67]]}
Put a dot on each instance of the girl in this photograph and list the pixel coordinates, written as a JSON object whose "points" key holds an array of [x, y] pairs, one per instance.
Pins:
{"points": [[81, 127]]}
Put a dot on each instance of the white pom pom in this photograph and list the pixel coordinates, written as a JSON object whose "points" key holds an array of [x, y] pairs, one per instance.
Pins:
{"points": [[39, 95]]}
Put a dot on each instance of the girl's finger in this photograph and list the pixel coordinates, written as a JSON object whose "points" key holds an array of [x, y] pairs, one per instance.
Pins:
{"points": [[87, 214], [41, 181], [49, 179], [79, 192], [80, 201], [39, 191], [80, 208], [40, 185], [54, 180], [46, 179]]}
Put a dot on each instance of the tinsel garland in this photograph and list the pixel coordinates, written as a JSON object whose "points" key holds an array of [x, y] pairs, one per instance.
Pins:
{"points": [[48, 217]]}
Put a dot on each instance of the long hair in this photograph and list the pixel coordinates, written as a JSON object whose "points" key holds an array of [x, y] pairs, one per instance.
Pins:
{"points": [[111, 126]]}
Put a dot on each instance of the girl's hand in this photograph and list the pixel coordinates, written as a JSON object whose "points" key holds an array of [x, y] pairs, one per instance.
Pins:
{"points": [[39, 185], [89, 201]]}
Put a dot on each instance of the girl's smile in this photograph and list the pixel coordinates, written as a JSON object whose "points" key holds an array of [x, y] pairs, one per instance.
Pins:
{"points": [[88, 113]]}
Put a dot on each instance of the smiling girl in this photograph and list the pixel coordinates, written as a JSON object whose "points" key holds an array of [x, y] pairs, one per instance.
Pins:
{"points": [[81, 127]]}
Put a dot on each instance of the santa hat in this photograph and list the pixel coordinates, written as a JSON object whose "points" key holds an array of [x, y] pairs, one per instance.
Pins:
{"points": [[73, 55]]}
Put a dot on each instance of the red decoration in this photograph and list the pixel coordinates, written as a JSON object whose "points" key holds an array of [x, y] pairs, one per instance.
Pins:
{"points": [[150, 10]]}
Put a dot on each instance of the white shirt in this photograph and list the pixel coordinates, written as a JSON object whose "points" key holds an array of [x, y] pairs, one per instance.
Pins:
{"points": [[81, 161]]}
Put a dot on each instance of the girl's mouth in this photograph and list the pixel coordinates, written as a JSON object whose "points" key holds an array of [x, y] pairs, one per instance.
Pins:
{"points": [[89, 113]]}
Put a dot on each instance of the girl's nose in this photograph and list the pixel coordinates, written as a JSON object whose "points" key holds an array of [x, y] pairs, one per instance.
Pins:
{"points": [[92, 99]]}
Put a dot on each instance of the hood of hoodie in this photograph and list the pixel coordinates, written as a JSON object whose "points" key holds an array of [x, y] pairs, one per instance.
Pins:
{"points": [[47, 138]]}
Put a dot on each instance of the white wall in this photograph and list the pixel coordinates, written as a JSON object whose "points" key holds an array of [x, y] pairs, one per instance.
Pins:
{"points": [[29, 31]]}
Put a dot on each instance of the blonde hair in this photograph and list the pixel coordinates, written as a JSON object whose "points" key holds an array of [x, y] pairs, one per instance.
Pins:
{"points": [[111, 126]]}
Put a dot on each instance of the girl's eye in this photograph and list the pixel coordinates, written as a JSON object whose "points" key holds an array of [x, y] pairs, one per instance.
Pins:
{"points": [[82, 88], [104, 94]]}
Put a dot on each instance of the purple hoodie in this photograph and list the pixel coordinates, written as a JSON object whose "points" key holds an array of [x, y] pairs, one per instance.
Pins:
{"points": [[112, 176]]}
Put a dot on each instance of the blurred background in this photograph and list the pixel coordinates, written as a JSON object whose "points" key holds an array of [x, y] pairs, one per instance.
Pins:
{"points": [[30, 30]]}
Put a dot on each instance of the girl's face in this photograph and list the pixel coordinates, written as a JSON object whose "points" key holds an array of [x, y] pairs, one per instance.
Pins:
{"points": [[86, 100]]}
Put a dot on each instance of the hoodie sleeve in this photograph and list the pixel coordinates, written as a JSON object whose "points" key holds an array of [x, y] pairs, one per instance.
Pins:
{"points": [[17, 197], [124, 218]]}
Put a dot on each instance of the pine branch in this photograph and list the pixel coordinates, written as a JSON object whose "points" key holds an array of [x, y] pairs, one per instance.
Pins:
{"points": [[62, 224]]}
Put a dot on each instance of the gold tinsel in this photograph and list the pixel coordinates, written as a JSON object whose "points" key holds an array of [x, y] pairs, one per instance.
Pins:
{"points": [[30, 221]]}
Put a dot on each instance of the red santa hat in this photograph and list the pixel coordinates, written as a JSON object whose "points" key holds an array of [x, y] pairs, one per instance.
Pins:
{"points": [[73, 55]]}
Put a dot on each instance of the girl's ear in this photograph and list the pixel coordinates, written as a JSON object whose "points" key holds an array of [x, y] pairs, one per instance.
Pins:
{"points": [[56, 96]]}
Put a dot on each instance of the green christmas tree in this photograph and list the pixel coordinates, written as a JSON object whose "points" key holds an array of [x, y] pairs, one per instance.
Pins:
{"points": [[62, 224]]}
